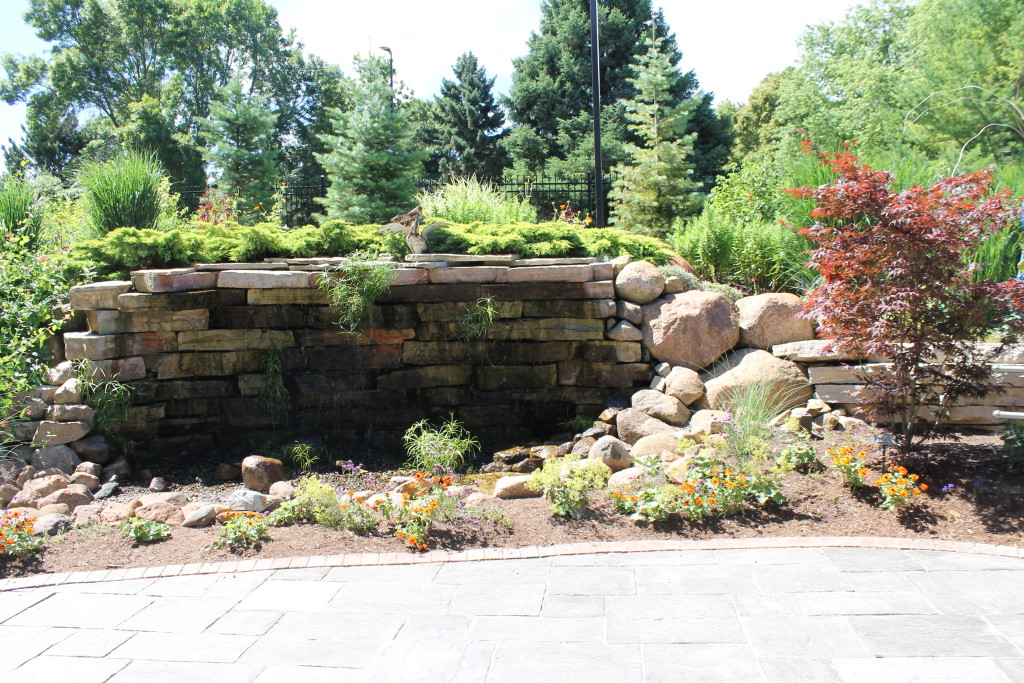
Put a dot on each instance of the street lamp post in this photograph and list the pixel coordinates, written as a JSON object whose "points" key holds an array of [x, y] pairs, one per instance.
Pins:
{"points": [[391, 70], [595, 71]]}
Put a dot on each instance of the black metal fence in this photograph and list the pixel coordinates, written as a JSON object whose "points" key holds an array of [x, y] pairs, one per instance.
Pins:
{"points": [[546, 194]]}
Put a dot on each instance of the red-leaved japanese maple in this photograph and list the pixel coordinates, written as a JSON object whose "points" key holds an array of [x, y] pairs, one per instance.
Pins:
{"points": [[896, 283]]}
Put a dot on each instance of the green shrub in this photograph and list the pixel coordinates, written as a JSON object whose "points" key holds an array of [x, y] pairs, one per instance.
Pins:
{"points": [[430, 448], [466, 200], [123, 192], [20, 210], [567, 483], [316, 501], [353, 287], [242, 530], [145, 530], [478, 319], [110, 398]]}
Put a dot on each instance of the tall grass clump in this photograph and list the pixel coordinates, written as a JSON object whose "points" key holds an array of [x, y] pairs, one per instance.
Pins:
{"points": [[468, 200], [20, 212], [124, 192]]}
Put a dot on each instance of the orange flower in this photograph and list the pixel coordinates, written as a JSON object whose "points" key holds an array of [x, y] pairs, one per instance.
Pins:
{"points": [[923, 487]]}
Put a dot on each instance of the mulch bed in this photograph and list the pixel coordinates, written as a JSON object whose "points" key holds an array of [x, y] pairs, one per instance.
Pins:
{"points": [[976, 494]]}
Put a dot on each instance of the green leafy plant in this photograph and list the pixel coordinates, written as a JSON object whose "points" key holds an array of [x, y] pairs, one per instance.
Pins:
{"points": [[316, 501], [468, 200], [109, 397], [567, 483], [798, 456], [20, 211], [899, 488], [145, 530], [478, 319], [123, 192], [429, 447], [354, 286], [241, 530], [415, 515], [850, 465], [578, 423], [1013, 441], [274, 394]]}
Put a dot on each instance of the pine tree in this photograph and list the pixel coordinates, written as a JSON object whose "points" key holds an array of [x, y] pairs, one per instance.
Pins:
{"points": [[372, 160], [240, 132], [468, 123], [649, 194], [551, 96]]}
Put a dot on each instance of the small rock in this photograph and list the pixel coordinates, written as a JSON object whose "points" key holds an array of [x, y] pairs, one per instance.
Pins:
{"points": [[661, 406], [619, 262], [106, 490], [852, 423], [25, 499], [492, 467], [639, 282], [175, 498], [44, 486], [87, 480], [678, 471], [251, 501], [527, 466], [510, 456], [623, 478], [7, 494], [633, 424], [93, 468], [706, 422], [675, 284], [816, 407], [60, 457], [658, 383], [626, 310], [479, 498], [158, 484], [97, 448], [598, 430], [514, 487], [158, 511], [662, 369], [54, 509], [68, 497], [259, 472], [119, 512], [69, 392], [608, 415], [85, 515], [226, 472], [612, 452], [283, 490], [118, 470], [583, 446], [625, 331], [50, 525], [204, 515], [684, 384], [654, 444], [25, 474]]}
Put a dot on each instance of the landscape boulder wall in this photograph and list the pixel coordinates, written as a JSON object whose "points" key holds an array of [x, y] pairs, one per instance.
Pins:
{"points": [[691, 329]]}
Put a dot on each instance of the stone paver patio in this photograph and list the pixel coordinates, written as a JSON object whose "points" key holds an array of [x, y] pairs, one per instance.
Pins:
{"points": [[813, 613]]}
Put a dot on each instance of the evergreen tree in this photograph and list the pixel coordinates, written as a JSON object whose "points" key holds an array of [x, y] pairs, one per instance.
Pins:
{"points": [[372, 160], [551, 96], [657, 188], [468, 123], [240, 132]]}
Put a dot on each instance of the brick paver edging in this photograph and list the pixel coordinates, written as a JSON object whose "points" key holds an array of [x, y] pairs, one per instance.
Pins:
{"points": [[365, 559]]}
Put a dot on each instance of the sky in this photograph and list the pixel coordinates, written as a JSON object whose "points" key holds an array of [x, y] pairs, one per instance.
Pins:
{"points": [[730, 44]]}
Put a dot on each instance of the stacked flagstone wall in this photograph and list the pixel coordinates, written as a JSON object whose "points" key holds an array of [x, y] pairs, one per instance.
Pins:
{"points": [[194, 343]]}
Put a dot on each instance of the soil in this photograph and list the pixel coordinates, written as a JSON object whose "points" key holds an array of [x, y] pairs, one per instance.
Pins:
{"points": [[976, 494]]}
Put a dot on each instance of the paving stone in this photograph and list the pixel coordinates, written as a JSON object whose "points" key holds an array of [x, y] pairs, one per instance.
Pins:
{"points": [[498, 599], [798, 670], [48, 668], [871, 560], [756, 605], [687, 662], [22, 643], [773, 636], [179, 615], [207, 585], [750, 556], [81, 611], [694, 580], [565, 662], [854, 602], [184, 647], [193, 672], [599, 580], [965, 592], [448, 660], [907, 669], [1013, 667], [306, 574], [501, 571], [675, 628], [573, 606], [434, 626], [392, 598], [934, 561], [931, 635], [245, 622], [282, 596], [408, 573], [798, 578], [89, 642], [14, 603], [328, 640], [665, 557]]}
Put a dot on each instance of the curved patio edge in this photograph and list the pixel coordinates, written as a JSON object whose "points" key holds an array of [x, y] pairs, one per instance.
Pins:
{"points": [[484, 554]]}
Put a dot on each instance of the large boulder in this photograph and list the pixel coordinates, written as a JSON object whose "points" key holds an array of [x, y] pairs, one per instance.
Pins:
{"points": [[769, 319], [784, 381], [259, 472], [655, 444], [683, 384], [639, 282], [691, 329], [661, 406], [60, 457], [612, 452], [632, 425]]}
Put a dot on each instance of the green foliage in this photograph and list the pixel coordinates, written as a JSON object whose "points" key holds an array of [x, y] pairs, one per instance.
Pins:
{"points": [[655, 188], [478, 319], [242, 530], [850, 465], [240, 134], [316, 501], [430, 448], [417, 512], [465, 127], [1013, 441], [752, 406], [372, 160], [567, 483], [355, 285], [122, 193], [16, 539], [20, 210], [800, 456], [467, 200], [110, 398], [274, 394], [145, 530]]}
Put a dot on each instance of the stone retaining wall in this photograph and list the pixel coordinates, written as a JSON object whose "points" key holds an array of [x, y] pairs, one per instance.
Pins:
{"points": [[195, 342]]}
